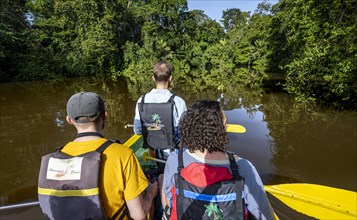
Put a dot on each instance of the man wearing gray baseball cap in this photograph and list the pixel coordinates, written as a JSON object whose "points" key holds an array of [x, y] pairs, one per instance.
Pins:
{"points": [[123, 187], [85, 107]]}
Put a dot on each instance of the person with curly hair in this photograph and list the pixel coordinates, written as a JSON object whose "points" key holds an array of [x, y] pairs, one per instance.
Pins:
{"points": [[205, 169]]}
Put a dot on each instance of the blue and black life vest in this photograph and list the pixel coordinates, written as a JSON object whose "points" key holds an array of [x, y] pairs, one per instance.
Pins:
{"points": [[203, 191], [68, 186], [157, 124]]}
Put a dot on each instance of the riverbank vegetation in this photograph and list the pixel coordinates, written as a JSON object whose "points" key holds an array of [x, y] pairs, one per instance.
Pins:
{"points": [[309, 45]]}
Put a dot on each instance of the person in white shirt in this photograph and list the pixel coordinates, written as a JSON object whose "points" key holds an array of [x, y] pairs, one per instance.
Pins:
{"points": [[170, 107]]}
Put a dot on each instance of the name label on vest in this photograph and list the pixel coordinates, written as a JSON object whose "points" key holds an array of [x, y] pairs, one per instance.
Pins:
{"points": [[64, 169]]}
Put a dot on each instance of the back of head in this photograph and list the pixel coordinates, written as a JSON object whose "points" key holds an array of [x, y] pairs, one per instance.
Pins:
{"points": [[162, 71], [202, 127], [85, 107]]}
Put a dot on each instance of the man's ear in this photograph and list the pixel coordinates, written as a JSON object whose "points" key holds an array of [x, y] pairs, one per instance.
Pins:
{"points": [[69, 120], [105, 115], [153, 78], [170, 79]]}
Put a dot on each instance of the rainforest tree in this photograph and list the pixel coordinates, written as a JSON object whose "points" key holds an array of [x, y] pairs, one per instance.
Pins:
{"points": [[310, 43], [14, 42], [316, 44], [84, 37]]}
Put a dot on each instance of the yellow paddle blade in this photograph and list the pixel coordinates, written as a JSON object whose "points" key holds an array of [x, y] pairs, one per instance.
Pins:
{"points": [[233, 128], [318, 201], [132, 140]]}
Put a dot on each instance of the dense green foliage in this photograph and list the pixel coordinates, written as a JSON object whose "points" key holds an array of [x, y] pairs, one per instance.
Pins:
{"points": [[319, 43], [310, 44], [13, 40]]}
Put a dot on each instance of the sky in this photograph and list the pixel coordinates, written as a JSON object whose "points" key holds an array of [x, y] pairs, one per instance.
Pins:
{"points": [[214, 8]]}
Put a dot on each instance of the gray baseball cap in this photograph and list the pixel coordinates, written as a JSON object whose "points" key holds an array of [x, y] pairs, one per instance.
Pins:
{"points": [[85, 107]]}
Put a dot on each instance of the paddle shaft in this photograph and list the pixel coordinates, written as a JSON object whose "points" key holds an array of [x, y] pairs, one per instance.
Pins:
{"points": [[146, 157], [231, 128], [129, 126], [20, 205]]}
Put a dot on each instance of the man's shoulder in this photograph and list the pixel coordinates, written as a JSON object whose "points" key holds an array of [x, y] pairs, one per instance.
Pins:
{"points": [[175, 154], [246, 168], [160, 96], [243, 162], [179, 98], [116, 149]]}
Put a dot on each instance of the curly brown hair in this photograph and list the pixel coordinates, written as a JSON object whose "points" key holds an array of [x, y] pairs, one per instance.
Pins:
{"points": [[202, 127]]}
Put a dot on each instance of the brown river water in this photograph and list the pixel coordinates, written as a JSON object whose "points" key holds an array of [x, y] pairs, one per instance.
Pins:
{"points": [[287, 142]]}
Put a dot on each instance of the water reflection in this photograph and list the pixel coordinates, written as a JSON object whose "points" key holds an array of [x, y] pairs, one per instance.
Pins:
{"points": [[313, 145], [31, 126], [255, 143], [285, 141], [59, 120]]}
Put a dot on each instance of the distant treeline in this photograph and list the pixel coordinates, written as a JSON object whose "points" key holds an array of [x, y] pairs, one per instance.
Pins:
{"points": [[310, 44]]}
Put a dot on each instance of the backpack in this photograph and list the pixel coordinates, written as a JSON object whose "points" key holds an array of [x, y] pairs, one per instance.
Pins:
{"points": [[157, 124], [68, 186], [196, 195]]}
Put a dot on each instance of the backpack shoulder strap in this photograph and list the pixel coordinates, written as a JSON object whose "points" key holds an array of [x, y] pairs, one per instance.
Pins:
{"points": [[142, 102], [239, 183], [171, 99], [123, 210], [58, 149], [234, 167], [179, 198], [104, 146], [179, 169]]}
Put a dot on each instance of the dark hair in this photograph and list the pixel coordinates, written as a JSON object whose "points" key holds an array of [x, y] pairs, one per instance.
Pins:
{"points": [[162, 71], [202, 127]]}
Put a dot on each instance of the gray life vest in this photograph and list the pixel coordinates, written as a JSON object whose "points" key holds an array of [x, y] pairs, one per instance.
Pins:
{"points": [[221, 196], [157, 124], [68, 186]]}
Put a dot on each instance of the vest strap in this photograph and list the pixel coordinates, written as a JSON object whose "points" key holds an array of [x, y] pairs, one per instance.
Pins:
{"points": [[180, 183], [171, 99], [142, 102], [179, 169], [239, 183], [123, 210], [104, 146]]}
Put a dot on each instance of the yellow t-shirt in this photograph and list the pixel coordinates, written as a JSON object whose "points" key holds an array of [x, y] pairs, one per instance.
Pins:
{"points": [[121, 176]]}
